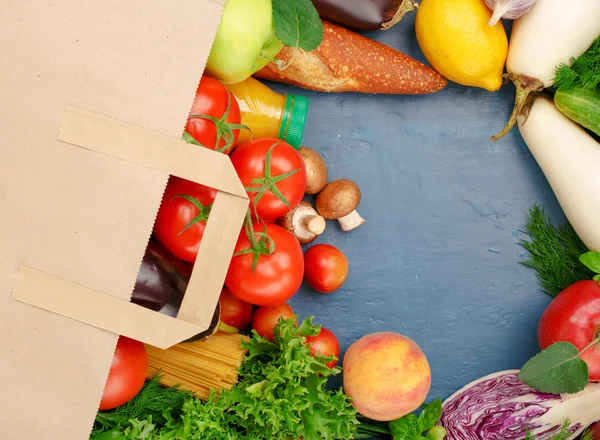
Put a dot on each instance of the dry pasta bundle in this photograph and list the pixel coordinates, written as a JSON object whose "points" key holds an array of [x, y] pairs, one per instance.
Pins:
{"points": [[199, 366]]}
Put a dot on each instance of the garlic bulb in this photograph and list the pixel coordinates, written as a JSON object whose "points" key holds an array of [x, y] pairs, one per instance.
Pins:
{"points": [[510, 9]]}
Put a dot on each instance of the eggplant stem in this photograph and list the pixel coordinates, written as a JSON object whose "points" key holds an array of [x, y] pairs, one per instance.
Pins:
{"points": [[528, 90], [406, 6]]}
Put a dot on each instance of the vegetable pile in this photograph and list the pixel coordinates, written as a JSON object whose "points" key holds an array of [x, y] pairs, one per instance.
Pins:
{"points": [[281, 391]]}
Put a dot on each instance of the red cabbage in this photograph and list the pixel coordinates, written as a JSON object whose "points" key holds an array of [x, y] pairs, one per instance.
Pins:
{"points": [[501, 407]]}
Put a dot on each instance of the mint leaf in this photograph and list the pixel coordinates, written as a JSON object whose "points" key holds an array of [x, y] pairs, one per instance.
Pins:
{"points": [[557, 369], [591, 261], [297, 24], [430, 415]]}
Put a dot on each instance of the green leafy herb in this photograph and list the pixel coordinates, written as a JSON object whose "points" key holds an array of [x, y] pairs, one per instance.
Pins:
{"points": [[565, 433], [583, 71], [369, 429], [421, 427], [554, 252], [557, 369], [297, 24], [280, 395], [592, 261], [150, 403]]}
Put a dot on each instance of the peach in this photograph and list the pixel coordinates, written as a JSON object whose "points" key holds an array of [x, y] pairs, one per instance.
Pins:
{"points": [[386, 375]]}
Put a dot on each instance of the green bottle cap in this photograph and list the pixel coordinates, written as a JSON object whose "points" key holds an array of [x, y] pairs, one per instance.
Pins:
{"points": [[294, 120]]}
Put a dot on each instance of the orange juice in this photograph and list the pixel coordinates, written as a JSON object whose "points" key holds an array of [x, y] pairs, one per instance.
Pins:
{"points": [[269, 114]]}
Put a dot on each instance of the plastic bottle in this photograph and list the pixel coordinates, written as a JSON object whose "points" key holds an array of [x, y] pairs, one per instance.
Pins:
{"points": [[269, 114]]}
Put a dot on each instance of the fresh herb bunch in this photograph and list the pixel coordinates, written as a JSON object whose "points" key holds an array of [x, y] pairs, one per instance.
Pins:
{"points": [[280, 394], [421, 427], [564, 433], [554, 252], [583, 71]]}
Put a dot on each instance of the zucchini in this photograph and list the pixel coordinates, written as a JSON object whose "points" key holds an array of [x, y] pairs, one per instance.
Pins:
{"points": [[580, 105]]}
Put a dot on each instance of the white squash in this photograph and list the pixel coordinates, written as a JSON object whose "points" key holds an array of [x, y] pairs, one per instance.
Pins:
{"points": [[552, 33], [570, 160]]}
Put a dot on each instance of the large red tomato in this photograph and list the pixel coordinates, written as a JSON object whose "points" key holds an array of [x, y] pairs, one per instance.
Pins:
{"points": [[574, 316], [278, 262], [326, 268], [266, 317], [325, 344], [234, 312], [215, 115], [274, 175], [182, 216], [127, 374]]}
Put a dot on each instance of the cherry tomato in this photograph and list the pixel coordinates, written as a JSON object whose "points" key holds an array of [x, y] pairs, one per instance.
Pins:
{"points": [[574, 316], [182, 216], [324, 344], [276, 171], [277, 275], [326, 268], [212, 100], [234, 312], [127, 374], [265, 319]]}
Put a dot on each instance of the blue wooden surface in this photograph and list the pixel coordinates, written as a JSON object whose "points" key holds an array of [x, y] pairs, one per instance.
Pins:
{"points": [[438, 258]]}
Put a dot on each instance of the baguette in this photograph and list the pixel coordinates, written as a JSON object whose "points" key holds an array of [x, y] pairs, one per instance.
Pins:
{"points": [[349, 62]]}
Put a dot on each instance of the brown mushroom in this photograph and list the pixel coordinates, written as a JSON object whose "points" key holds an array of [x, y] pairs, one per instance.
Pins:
{"points": [[304, 223], [338, 201], [316, 170]]}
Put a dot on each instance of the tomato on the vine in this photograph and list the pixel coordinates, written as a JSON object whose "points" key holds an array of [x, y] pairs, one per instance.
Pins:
{"points": [[234, 312], [182, 216], [326, 268], [265, 319], [325, 344], [274, 175], [574, 316], [267, 266], [214, 121], [127, 374]]}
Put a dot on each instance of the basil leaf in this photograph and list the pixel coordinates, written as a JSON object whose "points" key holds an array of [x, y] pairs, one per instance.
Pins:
{"points": [[591, 261], [407, 426], [297, 24], [556, 370], [430, 415]]}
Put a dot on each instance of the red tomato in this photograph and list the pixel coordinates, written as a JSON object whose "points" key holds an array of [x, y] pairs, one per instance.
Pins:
{"points": [[181, 221], [595, 430], [284, 178], [234, 312], [266, 317], [127, 373], [276, 277], [574, 316], [326, 268], [212, 100], [324, 344]]}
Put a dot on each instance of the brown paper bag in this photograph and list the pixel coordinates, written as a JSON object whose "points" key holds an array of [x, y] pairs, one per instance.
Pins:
{"points": [[94, 96]]}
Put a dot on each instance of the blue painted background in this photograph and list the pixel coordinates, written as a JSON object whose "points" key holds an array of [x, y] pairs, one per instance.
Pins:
{"points": [[438, 258]]}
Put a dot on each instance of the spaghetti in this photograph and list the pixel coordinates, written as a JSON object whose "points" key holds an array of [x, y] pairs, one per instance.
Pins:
{"points": [[199, 366]]}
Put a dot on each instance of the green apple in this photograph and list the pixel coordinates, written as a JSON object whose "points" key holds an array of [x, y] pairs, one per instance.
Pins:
{"points": [[245, 41]]}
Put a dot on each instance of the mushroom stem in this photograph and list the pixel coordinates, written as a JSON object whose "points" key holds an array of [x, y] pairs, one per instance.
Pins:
{"points": [[315, 224], [351, 221]]}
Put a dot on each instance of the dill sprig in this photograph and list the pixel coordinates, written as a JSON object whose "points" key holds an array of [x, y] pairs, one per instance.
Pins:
{"points": [[564, 433], [149, 404], [583, 72], [554, 252]]}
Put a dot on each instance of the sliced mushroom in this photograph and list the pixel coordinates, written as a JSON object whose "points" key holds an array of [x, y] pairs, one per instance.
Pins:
{"points": [[338, 201], [304, 223], [316, 170]]}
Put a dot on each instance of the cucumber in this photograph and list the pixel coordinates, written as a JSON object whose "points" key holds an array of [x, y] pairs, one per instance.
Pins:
{"points": [[580, 105]]}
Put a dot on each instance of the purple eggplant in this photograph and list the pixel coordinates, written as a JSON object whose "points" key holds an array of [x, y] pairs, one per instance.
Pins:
{"points": [[161, 284], [364, 15], [161, 281]]}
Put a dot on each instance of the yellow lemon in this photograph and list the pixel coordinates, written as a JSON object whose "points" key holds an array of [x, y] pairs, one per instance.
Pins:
{"points": [[458, 42]]}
